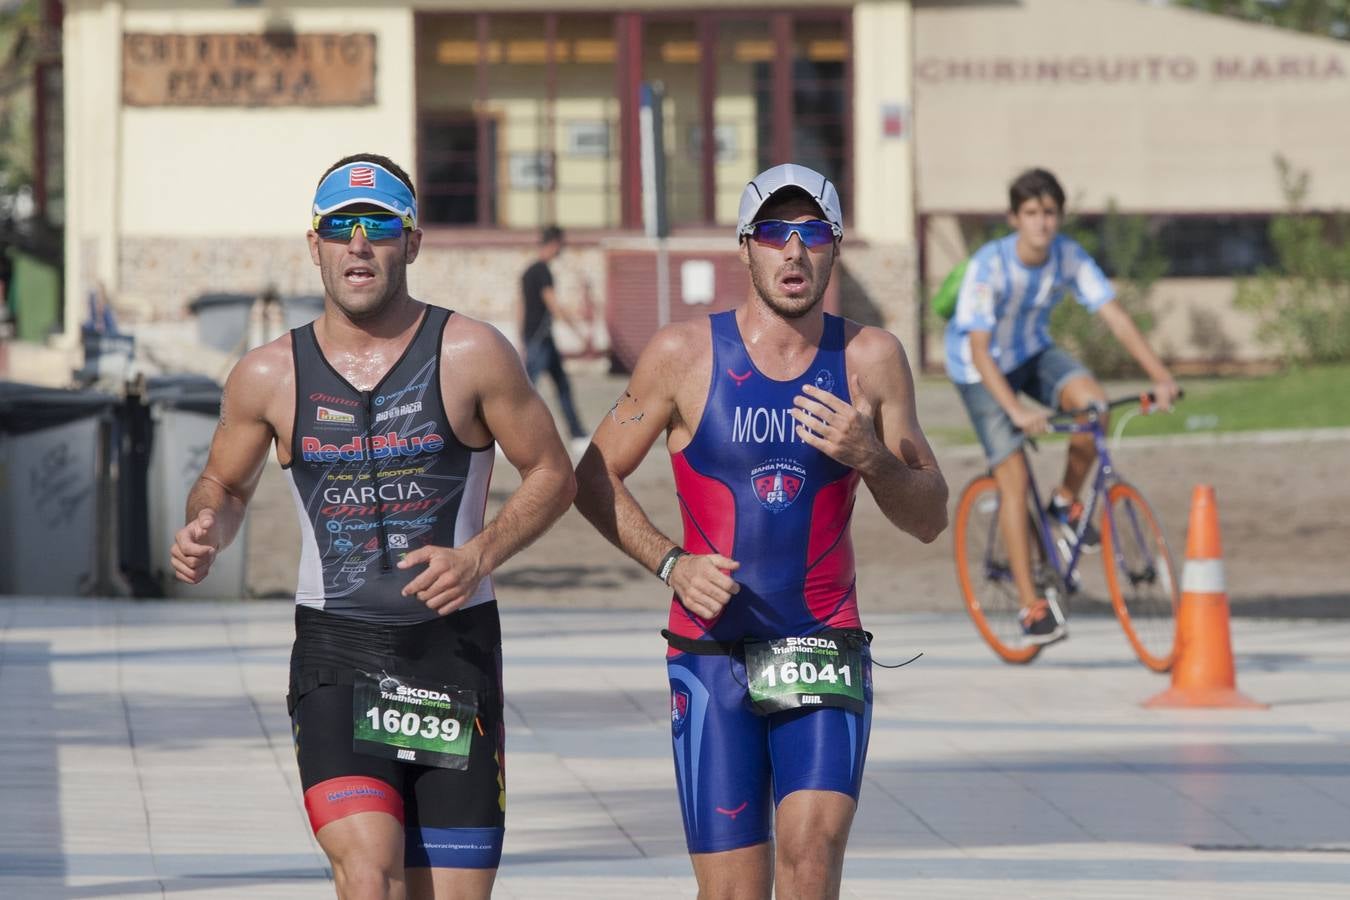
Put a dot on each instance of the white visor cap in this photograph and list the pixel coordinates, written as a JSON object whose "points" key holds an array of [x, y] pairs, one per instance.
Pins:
{"points": [[789, 175]]}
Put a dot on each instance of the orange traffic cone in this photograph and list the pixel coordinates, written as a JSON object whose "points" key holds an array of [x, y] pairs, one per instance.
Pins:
{"points": [[1204, 674]]}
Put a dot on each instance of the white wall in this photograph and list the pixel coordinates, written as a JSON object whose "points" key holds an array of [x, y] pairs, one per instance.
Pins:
{"points": [[1164, 109], [221, 172], [883, 181], [256, 168]]}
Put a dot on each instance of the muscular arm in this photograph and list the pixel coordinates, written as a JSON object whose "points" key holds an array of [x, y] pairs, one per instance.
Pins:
{"points": [[906, 481], [520, 423], [622, 441], [523, 428], [879, 435], [646, 409], [216, 502]]}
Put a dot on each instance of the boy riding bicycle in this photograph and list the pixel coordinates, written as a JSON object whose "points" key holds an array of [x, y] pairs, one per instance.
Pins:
{"points": [[998, 344]]}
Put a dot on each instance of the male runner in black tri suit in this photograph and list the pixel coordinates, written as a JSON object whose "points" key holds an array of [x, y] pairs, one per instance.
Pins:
{"points": [[384, 412]]}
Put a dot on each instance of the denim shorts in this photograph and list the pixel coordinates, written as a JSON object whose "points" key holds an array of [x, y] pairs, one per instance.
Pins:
{"points": [[1042, 377]]}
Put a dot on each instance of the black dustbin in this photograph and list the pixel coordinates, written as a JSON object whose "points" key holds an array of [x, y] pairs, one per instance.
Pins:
{"points": [[222, 320], [302, 309], [173, 419], [57, 531]]}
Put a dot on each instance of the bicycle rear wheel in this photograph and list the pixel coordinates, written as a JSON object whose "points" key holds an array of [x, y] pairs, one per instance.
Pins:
{"points": [[984, 574], [1140, 576]]}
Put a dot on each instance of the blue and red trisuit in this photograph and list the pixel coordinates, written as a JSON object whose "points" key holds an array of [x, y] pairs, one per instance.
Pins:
{"points": [[751, 489]]}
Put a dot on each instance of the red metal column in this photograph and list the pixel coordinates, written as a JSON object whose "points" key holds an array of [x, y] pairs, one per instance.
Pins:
{"points": [[707, 95], [550, 116], [483, 154], [782, 87], [629, 76]]}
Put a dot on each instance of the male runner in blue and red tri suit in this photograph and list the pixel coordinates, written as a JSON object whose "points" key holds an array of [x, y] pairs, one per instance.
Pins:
{"points": [[384, 412], [772, 414]]}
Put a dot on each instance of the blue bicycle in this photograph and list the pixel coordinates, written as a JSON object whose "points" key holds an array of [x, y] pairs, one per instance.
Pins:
{"points": [[1140, 576]]}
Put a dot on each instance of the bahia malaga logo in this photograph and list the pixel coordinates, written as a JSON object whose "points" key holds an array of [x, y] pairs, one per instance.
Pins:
{"points": [[679, 711], [777, 483]]}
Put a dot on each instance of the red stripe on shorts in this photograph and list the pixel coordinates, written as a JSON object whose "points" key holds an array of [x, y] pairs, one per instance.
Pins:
{"points": [[338, 798]]}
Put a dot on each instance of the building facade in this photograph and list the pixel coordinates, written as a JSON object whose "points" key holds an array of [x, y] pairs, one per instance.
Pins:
{"points": [[1171, 114], [195, 134]]}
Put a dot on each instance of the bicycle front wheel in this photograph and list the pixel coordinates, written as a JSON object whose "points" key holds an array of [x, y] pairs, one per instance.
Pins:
{"points": [[984, 573], [1140, 576]]}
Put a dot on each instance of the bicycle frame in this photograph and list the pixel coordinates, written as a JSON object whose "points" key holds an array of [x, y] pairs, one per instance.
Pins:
{"points": [[1140, 581], [1067, 568], [1065, 563]]}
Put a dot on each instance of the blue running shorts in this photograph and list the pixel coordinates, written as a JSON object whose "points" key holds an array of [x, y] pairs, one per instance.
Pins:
{"points": [[730, 761]]}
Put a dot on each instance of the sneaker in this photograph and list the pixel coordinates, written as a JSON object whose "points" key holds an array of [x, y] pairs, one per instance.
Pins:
{"points": [[1041, 624], [1067, 514]]}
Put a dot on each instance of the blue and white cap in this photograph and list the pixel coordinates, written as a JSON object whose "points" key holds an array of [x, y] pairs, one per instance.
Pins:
{"points": [[364, 182], [780, 178]]}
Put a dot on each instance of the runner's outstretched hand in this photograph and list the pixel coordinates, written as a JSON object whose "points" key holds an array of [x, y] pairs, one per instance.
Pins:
{"points": [[195, 547], [845, 433], [451, 576], [703, 584]]}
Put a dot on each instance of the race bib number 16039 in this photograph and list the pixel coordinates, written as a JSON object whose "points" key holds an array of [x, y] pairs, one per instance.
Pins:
{"points": [[412, 721]]}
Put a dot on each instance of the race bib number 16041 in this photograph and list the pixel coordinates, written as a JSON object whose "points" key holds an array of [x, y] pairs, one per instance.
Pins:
{"points": [[792, 672]]}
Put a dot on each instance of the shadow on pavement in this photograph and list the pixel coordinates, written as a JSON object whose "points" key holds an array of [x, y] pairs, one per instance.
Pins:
{"points": [[599, 577]]}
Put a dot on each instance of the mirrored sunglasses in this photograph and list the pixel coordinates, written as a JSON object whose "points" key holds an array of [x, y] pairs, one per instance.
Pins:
{"points": [[377, 226], [776, 232]]}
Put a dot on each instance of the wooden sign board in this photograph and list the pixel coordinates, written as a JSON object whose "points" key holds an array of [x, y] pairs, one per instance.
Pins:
{"points": [[281, 69]]}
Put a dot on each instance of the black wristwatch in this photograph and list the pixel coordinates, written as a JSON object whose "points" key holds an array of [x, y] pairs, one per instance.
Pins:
{"points": [[668, 563]]}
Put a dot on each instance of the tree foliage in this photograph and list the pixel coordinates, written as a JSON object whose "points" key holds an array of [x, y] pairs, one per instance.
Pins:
{"points": [[1325, 17], [1303, 304], [19, 41], [1130, 251]]}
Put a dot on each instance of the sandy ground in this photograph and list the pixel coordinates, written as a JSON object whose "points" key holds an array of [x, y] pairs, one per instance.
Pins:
{"points": [[1282, 508]]}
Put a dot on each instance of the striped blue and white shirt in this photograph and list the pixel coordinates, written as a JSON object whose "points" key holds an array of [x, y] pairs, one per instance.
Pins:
{"points": [[1013, 302]]}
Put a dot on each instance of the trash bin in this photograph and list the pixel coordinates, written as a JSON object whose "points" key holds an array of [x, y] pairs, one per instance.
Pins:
{"points": [[57, 530], [302, 309], [222, 320], [183, 412]]}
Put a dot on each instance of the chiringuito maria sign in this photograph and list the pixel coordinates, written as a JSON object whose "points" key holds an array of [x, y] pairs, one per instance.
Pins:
{"points": [[1145, 69], [270, 69]]}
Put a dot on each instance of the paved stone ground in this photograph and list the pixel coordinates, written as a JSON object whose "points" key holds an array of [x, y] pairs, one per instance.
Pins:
{"points": [[145, 753]]}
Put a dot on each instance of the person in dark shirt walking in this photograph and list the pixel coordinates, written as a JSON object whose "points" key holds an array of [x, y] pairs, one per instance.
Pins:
{"points": [[541, 306]]}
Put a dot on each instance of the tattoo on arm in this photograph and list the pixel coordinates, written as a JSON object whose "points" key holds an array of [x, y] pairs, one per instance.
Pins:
{"points": [[625, 415]]}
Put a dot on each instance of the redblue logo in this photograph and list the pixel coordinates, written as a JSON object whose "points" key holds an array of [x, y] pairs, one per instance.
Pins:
{"points": [[380, 446], [679, 711], [777, 483]]}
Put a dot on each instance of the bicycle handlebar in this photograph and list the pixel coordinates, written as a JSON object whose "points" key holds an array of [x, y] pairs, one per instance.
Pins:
{"points": [[1092, 412]]}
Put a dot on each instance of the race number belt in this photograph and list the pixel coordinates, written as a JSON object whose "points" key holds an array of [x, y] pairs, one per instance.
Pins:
{"points": [[824, 669], [412, 721]]}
